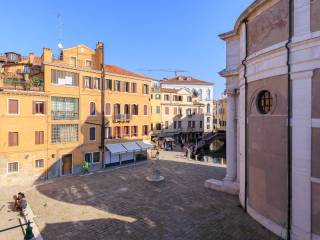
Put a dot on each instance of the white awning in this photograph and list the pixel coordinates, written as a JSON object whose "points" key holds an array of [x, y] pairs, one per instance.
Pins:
{"points": [[145, 145], [116, 148], [131, 146]]}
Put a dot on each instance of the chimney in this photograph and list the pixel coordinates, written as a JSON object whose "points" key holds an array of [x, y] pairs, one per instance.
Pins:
{"points": [[31, 58], [47, 55], [99, 54]]}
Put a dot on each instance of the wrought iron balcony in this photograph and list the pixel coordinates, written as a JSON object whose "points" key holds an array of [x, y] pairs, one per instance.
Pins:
{"points": [[64, 115], [122, 117]]}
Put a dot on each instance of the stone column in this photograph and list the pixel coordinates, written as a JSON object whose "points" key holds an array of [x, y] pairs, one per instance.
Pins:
{"points": [[231, 139]]}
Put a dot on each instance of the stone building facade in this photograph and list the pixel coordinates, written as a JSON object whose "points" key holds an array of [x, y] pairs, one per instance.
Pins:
{"points": [[273, 86]]}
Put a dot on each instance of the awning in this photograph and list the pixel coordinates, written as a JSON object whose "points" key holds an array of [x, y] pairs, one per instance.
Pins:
{"points": [[169, 139], [131, 146], [116, 148], [145, 145]]}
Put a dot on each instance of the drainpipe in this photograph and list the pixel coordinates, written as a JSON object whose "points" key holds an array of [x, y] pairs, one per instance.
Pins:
{"points": [[103, 135], [244, 63], [289, 131]]}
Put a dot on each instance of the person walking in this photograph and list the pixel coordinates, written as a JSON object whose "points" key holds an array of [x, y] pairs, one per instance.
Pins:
{"points": [[85, 167]]}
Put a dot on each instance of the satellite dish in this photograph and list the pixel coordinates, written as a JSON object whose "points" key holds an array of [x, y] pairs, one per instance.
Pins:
{"points": [[60, 46]]}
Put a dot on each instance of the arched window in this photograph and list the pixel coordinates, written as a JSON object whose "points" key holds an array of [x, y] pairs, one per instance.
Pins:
{"points": [[117, 108], [92, 108], [264, 102], [145, 110], [108, 109], [135, 109], [126, 109]]}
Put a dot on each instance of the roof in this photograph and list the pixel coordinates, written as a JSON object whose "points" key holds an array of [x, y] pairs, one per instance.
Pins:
{"points": [[184, 80], [168, 90], [121, 71]]}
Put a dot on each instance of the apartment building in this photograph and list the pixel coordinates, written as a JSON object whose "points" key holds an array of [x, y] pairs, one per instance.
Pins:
{"points": [[219, 114], [182, 114], [202, 89], [155, 109], [57, 114]]}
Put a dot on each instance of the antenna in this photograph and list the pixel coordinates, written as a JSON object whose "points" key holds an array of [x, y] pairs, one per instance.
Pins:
{"points": [[175, 71], [60, 28]]}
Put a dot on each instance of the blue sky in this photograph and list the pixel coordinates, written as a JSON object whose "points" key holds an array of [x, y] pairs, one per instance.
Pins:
{"points": [[140, 34]]}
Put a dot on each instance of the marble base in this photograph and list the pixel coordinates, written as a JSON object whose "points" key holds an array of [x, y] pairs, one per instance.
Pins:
{"points": [[223, 186], [155, 178]]}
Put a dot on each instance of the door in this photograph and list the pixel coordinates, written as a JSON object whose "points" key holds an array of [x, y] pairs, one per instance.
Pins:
{"points": [[66, 164]]}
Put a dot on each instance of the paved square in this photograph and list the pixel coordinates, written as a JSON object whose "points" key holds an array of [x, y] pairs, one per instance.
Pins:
{"points": [[121, 204]]}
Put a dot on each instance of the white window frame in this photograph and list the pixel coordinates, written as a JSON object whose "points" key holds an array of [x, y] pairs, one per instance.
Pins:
{"points": [[91, 159], [8, 167], [13, 114], [88, 60], [35, 163], [95, 134], [44, 102]]}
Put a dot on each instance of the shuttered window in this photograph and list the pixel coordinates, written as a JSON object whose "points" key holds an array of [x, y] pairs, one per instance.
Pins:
{"points": [[13, 106], [92, 108], [39, 107], [13, 139], [39, 137], [145, 110], [145, 130], [108, 83], [134, 87], [92, 133]]}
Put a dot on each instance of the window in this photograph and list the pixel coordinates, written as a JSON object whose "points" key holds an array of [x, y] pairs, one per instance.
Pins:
{"points": [[38, 107], [127, 87], [92, 108], [64, 78], [134, 87], [126, 131], [135, 109], [189, 124], [88, 63], [188, 112], [193, 124], [13, 139], [64, 108], [200, 125], [117, 132], [179, 124], [116, 109], [87, 81], [92, 157], [39, 163], [13, 106], [180, 111], [73, 61], [145, 89], [126, 109], [265, 102], [189, 99], [175, 110], [166, 110], [134, 131], [158, 126], [151, 96], [108, 109], [157, 96], [64, 133], [177, 98], [108, 133], [174, 124], [96, 83], [108, 83], [208, 119], [158, 109], [13, 167], [208, 126], [208, 108], [145, 110], [39, 137], [151, 128], [117, 85], [145, 130], [166, 97], [194, 111], [92, 133], [166, 124]]}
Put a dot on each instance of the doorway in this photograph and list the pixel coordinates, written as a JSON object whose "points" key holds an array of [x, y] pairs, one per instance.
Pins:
{"points": [[66, 164]]}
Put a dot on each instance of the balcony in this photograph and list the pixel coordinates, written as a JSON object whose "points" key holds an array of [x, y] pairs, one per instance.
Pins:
{"points": [[121, 117], [16, 82], [64, 115]]}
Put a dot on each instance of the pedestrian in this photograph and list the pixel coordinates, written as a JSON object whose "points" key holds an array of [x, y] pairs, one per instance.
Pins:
{"points": [[20, 202], [85, 167]]}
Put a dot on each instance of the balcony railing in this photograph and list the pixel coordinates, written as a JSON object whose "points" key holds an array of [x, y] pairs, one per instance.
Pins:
{"points": [[64, 115], [20, 84], [122, 117]]}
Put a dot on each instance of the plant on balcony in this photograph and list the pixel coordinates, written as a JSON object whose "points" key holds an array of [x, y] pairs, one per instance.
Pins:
{"points": [[35, 81]]}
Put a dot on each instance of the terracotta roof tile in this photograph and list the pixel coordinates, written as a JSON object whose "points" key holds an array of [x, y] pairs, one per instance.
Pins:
{"points": [[184, 80], [121, 71], [168, 90]]}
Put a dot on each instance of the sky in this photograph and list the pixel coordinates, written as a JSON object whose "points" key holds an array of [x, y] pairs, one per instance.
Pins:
{"points": [[140, 34]]}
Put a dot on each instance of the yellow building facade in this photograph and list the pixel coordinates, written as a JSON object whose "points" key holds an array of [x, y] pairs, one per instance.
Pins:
{"points": [[55, 115], [220, 114]]}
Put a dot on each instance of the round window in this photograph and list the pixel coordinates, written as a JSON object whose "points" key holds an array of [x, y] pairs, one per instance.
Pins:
{"points": [[265, 102]]}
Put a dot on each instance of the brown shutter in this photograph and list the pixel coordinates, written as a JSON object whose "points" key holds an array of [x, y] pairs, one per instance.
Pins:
{"points": [[13, 106], [33, 107], [13, 139], [36, 137], [44, 107], [41, 137]]}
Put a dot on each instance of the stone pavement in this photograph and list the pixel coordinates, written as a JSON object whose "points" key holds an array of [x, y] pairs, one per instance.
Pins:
{"points": [[121, 204]]}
